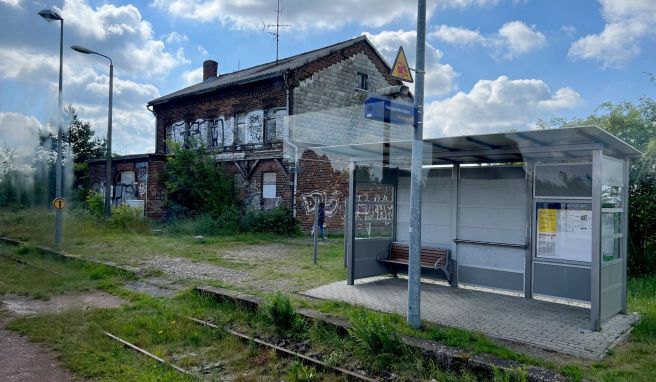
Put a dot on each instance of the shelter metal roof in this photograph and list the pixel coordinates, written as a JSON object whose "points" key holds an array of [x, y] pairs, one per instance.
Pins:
{"points": [[564, 143]]}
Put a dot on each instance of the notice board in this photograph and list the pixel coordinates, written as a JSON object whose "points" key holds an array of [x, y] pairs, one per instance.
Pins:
{"points": [[564, 231]]}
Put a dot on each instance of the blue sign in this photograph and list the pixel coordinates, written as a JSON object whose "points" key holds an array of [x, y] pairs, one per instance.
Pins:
{"points": [[385, 110]]}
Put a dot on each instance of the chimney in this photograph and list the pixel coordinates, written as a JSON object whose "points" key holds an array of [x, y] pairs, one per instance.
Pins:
{"points": [[210, 69]]}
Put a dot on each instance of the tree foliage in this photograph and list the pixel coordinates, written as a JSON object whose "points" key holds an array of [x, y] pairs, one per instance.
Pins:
{"points": [[196, 184], [81, 138]]}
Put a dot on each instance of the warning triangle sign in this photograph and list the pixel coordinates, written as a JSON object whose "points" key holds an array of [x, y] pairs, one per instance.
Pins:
{"points": [[401, 69]]}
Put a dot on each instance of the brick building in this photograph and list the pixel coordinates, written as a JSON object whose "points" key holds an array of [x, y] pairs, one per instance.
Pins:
{"points": [[258, 122]]}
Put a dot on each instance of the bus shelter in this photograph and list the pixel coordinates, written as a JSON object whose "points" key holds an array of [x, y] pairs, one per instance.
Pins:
{"points": [[539, 213]]}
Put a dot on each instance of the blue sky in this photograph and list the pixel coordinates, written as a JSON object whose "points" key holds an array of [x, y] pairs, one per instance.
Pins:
{"points": [[492, 65]]}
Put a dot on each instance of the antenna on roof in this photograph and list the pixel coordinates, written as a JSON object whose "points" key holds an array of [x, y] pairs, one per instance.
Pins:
{"points": [[276, 34]]}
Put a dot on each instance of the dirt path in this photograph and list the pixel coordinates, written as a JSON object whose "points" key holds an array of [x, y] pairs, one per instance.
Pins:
{"points": [[24, 361]]}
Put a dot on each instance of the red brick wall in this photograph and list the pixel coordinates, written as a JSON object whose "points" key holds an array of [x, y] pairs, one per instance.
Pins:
{"points": [[319, 180]]}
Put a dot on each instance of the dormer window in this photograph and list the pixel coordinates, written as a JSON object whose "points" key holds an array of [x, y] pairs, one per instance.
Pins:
{"points": [[363, 81]]}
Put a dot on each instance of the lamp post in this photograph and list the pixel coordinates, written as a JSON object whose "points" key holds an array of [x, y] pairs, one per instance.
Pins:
{"points": [[108, 164], [49, 16]]}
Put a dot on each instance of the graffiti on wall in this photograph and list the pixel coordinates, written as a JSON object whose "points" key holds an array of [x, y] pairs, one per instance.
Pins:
{"points": [[219, 132], [254, 127], [311, 200], [375, 206], [177, 132], [142, 178]]}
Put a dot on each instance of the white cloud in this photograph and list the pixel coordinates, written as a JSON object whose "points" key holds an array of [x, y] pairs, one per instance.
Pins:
{"points": [[120, 33], [569, 30], [521, 38], [175, 38], [11, 3], [202, 50], [303, 14], [439, 78], [19, 132], [456, 35], [87, 91], [513, 39], [193, 76], [628, 23], [494, 106]]}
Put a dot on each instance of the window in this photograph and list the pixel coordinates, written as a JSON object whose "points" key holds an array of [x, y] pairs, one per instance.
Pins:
{"points": [[563, 180], [269, 185], [363, 81], [270, 126], [240, 128]]}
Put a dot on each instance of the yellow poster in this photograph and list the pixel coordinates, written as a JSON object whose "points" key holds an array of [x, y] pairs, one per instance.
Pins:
{"points": [[547, 221]]}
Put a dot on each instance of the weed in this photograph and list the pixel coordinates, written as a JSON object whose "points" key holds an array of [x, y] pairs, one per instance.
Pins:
{"points": [[375, 333], [301, 373], [280, 312]]}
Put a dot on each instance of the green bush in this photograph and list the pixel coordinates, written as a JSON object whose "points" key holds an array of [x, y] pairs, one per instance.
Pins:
{"points": [[95, 203], [375, 333], [280, 312], [279, 221], [126, 218]]}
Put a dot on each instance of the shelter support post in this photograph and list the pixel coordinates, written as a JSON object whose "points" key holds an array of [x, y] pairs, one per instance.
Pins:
{"points": [[350, 235], [595, 266], [528, 262], [455, 183], [625, 229]]}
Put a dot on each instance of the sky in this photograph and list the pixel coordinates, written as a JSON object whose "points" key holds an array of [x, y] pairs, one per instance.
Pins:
{"points": [[491, 65]]}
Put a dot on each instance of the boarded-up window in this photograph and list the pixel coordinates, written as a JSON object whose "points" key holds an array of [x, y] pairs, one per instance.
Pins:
{"points": [[240, 127], [238, 187], [270, 126], [269, 185]]}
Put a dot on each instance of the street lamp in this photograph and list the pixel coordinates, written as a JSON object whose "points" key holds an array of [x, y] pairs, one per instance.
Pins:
{"points": [[108, 164], [49, 16]]}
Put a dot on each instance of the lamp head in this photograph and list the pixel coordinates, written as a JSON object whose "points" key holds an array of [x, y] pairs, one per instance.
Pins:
{"points": [[50, 15], [82, 49]]}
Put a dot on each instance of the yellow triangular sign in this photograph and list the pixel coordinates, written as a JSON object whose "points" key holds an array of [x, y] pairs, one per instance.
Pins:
{"points": [[401, 69]]}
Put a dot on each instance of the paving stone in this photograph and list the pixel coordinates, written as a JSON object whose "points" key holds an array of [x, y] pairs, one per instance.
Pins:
{"points": [[556, 327]]}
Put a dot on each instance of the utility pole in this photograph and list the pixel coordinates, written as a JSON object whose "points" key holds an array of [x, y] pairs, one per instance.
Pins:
{"points": [[277, 25], [414, 269]]}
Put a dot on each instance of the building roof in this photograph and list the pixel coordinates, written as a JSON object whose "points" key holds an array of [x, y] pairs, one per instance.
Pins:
{"points": [[565, 144], [261, 72]]}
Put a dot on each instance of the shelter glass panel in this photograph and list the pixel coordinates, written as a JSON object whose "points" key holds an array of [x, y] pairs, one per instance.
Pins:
{"points": [[563, 180], [374, 202], [564, 231], [612, 208]]}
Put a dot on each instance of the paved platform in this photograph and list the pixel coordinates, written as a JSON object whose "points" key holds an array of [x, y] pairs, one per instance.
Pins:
{"points": [[554, 327]]}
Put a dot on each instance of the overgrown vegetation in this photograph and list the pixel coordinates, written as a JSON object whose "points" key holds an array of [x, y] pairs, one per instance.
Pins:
{"points": [[27, 271], [279, 311], [195, 184]]}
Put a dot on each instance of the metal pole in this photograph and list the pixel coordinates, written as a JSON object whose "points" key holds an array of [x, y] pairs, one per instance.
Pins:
{"points": [[58, 163], [414, 270], [315, 229], [108, 164]]}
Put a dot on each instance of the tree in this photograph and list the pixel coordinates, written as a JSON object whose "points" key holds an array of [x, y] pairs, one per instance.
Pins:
{"points": [[196, 184], [80, 136]]}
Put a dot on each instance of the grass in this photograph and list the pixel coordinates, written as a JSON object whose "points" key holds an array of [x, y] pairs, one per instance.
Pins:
{"points": [[634, 360], [26, 271], [86, 236], [293, 268]]}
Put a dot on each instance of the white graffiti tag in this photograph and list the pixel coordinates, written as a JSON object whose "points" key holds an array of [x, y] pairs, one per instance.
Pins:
{"points": [[331, 201]]}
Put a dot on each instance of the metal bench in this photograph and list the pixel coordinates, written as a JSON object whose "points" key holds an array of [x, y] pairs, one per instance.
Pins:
{"points": [[431, 258]]}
